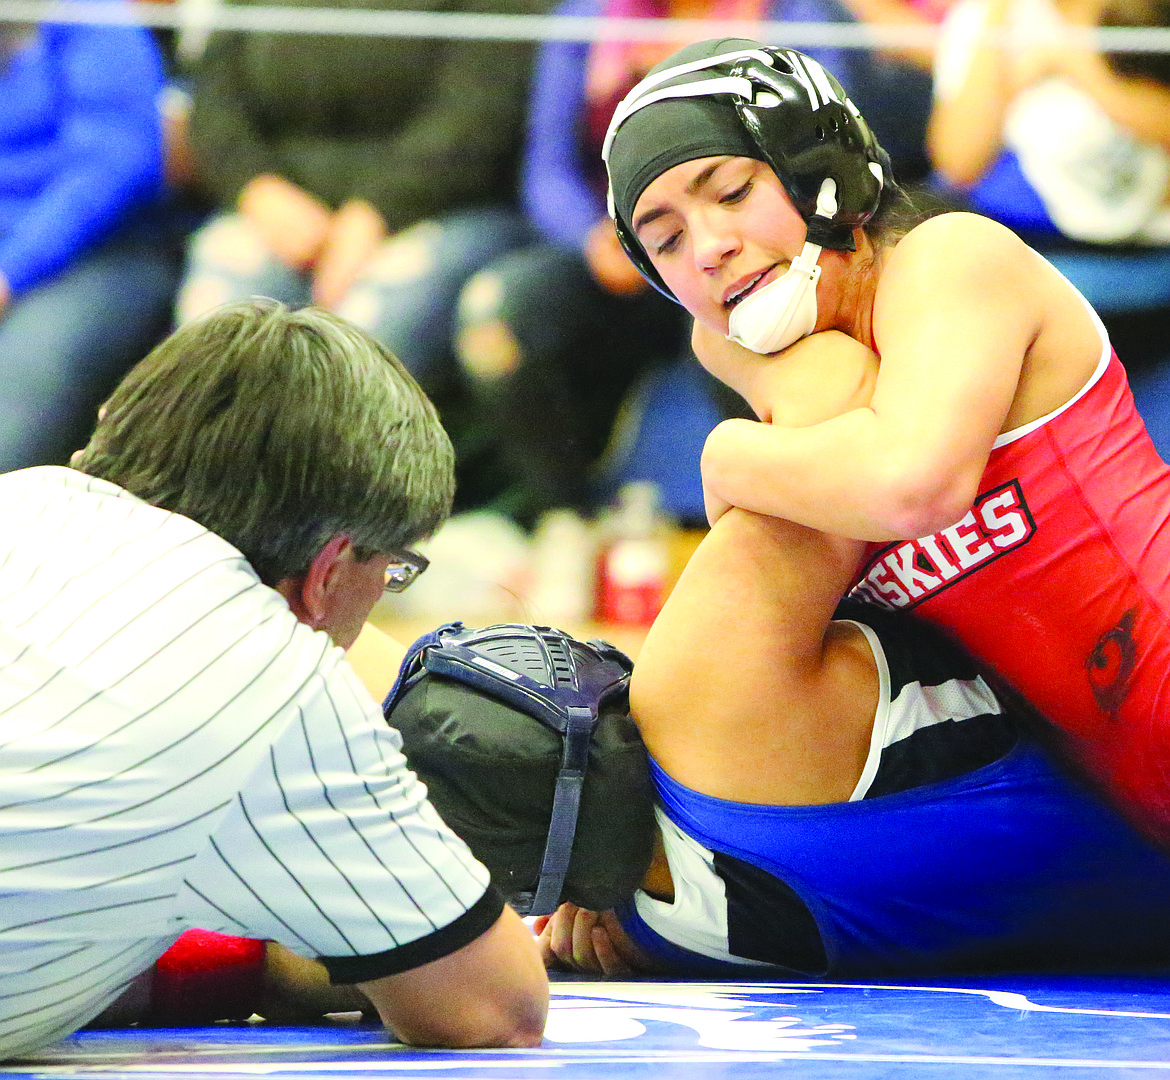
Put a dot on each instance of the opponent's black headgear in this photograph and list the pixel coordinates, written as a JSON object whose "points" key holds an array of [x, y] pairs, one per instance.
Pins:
{"points": [[737, 96], [523, 738]]}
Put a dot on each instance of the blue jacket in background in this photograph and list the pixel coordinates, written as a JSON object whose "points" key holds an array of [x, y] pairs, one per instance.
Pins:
{"points": [[80, 143]]}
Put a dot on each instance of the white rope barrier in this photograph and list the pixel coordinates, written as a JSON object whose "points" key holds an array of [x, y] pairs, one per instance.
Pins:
{"points": [[203, 17]]}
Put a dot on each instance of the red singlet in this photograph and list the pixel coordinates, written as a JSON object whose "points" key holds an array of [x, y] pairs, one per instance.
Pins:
{"points": [[1059, 578]]}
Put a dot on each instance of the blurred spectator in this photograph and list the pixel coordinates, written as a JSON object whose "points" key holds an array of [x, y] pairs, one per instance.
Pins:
{"points": [[86, 286], [1069, 146], [910, 15], [554, 336], [1048, 134], [367, 175]]}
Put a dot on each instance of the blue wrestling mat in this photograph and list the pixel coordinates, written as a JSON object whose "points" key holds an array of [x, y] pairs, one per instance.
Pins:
{"points": [[1012, 1027]]}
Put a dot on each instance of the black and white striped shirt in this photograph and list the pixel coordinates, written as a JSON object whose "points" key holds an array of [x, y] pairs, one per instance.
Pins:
{"points": [[177, 750]]}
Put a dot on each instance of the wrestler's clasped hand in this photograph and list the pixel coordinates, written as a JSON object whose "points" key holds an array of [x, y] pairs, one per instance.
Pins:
{"points": [[590, 942]]}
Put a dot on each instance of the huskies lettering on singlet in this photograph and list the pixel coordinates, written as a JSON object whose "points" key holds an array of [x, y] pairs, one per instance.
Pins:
{"points": [[905, 574]]}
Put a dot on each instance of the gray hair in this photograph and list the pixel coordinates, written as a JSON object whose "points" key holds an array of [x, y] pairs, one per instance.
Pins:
{"points": [[278, 430]]}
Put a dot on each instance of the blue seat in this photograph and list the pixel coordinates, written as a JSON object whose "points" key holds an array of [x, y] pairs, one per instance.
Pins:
{"points": [[1116, 281], [659, 436]]}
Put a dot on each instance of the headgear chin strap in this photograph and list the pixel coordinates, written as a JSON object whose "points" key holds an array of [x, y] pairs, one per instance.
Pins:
{"points": [[785, 310]]}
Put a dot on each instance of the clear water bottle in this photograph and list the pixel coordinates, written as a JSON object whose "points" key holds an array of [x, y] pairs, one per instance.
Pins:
{"points": [[563, 570]]}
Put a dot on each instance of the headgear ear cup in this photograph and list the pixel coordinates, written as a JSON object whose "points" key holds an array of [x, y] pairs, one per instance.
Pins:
{"points": [[811, 136]]}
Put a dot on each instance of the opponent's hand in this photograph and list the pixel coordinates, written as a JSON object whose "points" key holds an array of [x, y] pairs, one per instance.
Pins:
{"points": [[593, 943], [292, 223], [608, 262]]}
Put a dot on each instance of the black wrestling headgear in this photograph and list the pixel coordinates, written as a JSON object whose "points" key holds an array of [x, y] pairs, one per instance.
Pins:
{"points": [[737, 96], [523, 737]]}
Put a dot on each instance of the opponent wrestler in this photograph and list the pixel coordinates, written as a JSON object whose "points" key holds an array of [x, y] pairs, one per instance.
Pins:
{"points": [[837, 796], [1001, 431]]}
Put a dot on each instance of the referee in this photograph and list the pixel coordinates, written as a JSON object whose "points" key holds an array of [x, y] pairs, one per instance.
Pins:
{"points": [[182, 742]]}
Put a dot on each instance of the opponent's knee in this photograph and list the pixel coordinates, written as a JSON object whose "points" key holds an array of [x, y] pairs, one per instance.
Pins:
{"points": [[222, 253], [486, 347], [230, 242]]}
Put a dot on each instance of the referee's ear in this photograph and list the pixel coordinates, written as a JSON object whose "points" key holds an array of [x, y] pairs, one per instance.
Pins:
{"points": [[310, 597]]}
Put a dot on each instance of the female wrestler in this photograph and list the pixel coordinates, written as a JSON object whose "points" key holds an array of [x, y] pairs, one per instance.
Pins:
{"points": [[1001, 432]]}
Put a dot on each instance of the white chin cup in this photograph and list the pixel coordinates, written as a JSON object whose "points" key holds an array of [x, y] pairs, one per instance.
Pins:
{"points": [[783, 311]]}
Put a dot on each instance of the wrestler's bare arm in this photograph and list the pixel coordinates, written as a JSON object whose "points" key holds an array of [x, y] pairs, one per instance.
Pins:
{"points": [[960, 305]]}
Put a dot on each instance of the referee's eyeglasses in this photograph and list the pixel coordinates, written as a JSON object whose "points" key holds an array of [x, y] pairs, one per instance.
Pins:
{"points": [[402, 570]]}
